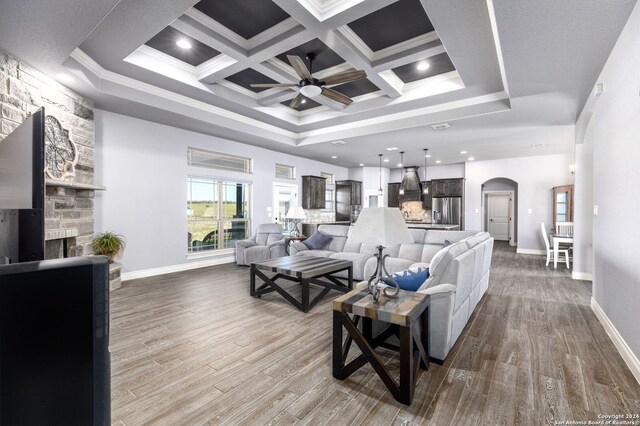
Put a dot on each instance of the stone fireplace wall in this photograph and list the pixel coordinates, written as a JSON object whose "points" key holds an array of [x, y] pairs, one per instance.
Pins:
{"points": [[69, 212]]}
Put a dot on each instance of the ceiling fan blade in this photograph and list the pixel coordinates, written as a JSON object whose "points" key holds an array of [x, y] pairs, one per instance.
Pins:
{"points": [[295, 103], [336, 96], [274, 85], [299, 66], [344, 77]]}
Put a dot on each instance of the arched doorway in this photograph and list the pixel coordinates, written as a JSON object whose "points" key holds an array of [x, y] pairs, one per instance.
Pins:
{"points": [[500, 209]]}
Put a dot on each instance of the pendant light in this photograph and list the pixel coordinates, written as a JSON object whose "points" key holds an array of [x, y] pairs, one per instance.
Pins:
{"points": [[425, 190], [380, 176], [401, 165]]}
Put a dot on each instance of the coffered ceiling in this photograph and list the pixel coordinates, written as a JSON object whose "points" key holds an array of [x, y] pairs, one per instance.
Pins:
{"points": [[509, 77]]}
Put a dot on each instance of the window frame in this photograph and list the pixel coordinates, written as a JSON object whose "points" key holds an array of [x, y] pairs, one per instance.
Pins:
{"points": [[292, 170], [214, 155]]}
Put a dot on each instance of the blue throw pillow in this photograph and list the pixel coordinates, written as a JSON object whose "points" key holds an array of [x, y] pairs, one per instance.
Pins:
{"points": [[410, 279], [447, 243], [317, 241]]}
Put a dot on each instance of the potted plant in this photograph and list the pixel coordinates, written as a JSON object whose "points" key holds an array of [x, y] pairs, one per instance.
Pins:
{"points": [[111, 245], [108, 244]]}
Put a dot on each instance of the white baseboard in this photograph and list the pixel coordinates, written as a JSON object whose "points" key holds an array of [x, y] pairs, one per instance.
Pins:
{"points": [[126, 276], [531, 251], [586, 276], [629, 357]]}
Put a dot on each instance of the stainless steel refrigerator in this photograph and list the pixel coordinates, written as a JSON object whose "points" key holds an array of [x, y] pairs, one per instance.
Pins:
{"points": [[447, 210]]}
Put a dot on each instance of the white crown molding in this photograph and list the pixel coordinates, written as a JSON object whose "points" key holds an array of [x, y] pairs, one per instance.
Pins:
{"points": [[215, 64], [496, 40], [144, 273], [356, 42], [627, 354], [325, 9], [390, 118], [216, 27], [92, 66], [413, 43], [585, 276], [271, 33], [392, 80]]}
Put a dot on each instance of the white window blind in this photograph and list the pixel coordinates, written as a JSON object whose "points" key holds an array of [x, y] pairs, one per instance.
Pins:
{"points": [[285, 172], [216, 160]]}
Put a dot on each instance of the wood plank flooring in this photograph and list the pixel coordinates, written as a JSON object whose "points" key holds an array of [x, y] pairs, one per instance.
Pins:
{"points": [[194, 348]]}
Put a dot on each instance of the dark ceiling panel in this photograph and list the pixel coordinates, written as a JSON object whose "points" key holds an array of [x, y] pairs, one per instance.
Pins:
{"points": [[165, 41], [308, 104], [246, 18], [325, 57], [246, 77], [437, 65], [400, 21], [356, 88]]}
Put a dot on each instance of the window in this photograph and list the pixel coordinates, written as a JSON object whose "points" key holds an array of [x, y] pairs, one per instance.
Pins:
{"points": [[217, 213], [329, 177], [216, 160], [285, 172], [329, 203]]}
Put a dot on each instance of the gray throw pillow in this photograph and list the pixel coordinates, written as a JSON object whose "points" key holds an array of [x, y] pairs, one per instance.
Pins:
{"points": [[317, 241]]}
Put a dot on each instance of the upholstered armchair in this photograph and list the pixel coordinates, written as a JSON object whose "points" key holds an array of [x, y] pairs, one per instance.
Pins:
{"points": [[267, 243]]}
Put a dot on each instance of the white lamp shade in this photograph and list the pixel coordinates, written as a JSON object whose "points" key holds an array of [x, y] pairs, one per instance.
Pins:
{"points": [[381, 226], [296, 212]]}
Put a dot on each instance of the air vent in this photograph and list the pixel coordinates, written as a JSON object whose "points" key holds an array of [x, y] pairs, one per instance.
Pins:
{"points": [[441, 126], [536, 145], [338, 143]]}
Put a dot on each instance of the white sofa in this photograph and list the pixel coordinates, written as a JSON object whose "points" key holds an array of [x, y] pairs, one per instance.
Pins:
{"points": [[459, 273]]}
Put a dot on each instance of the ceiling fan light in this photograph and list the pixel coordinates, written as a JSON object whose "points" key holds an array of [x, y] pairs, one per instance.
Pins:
{"points": [[310, 91]]}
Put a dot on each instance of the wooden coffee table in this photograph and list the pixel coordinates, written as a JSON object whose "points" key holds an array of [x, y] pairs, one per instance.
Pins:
{"points": [[406, 315], [305, 270]]}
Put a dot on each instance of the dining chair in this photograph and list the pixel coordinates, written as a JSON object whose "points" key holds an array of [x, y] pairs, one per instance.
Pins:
{"points": [[564, 228], [550, 253]]}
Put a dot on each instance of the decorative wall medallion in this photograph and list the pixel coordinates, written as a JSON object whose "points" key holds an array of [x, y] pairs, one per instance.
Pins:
{"points": [[60, 153]]}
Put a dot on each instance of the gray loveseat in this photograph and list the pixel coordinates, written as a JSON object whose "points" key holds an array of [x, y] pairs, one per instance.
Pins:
{"points": [[267, 243], [459, 273]]}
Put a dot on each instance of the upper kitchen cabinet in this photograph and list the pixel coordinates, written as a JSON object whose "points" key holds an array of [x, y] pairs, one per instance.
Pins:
{"points": [[313, 192], [393, 189], [353, 187], [447, 187], [426, 198]]}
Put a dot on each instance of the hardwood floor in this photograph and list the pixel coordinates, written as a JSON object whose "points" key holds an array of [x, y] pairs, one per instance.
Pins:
{"points": [[194, 348]]}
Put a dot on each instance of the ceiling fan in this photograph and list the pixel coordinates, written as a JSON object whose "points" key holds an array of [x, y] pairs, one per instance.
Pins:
{"points": [[311, 87]]}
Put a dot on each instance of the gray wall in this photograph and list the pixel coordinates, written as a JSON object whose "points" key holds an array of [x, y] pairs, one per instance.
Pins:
{"points": [[536, 176], [583, 206], [616, 174], [144, 167]]}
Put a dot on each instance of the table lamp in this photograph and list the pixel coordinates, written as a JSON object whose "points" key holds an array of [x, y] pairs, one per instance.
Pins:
{"points": [[384, 227], [296, 213]]}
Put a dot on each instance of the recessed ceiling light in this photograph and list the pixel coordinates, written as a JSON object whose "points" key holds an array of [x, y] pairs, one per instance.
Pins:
{"points": [[422, 66], [471, 158], [438, 161], [334, 156], [386, 160], [184, 43], [65, 77], [392, 148], [441, 126], [463, 152], [428, 155], [361, 164], [304, 101]]}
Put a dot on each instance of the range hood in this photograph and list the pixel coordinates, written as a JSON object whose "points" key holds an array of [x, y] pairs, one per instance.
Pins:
{"points": [[411, 185]]}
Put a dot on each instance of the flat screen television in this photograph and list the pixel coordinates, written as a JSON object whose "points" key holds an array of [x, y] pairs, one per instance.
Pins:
{"points": [[54, 340], [22, 189]]}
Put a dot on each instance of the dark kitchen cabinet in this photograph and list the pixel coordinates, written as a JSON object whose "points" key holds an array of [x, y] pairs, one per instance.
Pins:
{"points": [[426, 198], [393, 190], [354, 188], [313, 192], [447, 187]]}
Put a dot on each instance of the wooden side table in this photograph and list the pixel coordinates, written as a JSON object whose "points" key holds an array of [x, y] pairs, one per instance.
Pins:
{"points": [[407, 316], [287, 241]]}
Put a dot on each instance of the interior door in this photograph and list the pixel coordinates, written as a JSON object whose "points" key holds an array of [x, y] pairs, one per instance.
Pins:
{"points": [[498, 214]]}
